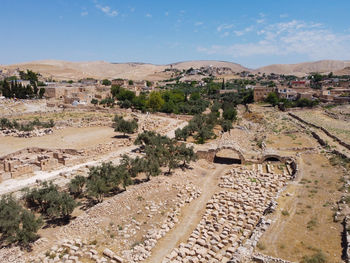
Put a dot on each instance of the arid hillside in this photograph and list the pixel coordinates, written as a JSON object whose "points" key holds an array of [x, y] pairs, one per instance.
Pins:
{"points": [[62, 70], [322, 66], [100, 69]]}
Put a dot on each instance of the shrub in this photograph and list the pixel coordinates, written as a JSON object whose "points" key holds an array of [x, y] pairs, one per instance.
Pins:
{"points": [[318, 257], [285, 213], [17, 225]]}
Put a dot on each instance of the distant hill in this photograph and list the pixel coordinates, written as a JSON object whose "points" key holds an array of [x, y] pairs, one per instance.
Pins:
{"points": [[322, 66], [62, 70], [206, 63]]}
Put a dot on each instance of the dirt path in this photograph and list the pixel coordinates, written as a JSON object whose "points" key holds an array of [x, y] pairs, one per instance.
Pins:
{"points": [[191, 215], [13, 185], [71, 137]]}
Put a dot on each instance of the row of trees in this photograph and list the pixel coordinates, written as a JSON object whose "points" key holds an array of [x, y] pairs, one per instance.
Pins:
{"points": [[283, 103], [168, 101], [17, 90], [20, 225], [108, 179], [10, 88]]}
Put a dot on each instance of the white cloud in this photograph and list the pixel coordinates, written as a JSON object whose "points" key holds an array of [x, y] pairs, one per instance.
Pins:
{"points": [[224, 27], [312, 40], [198, 23], [244, 31], [166, 13], [148, 15], [284, 15], [84, 13], [107, 10]]}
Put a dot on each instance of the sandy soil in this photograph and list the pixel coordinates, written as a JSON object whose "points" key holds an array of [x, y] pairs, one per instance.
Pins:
{"points": [[67, 138], [309, 225]]}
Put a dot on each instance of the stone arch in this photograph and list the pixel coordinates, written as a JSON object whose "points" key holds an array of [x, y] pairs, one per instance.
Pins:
{"points": [[211, 155], [272, 157], [228, 155]]}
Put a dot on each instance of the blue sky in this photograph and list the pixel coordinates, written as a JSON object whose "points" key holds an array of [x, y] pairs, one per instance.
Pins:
{"points": [[251, 32]]}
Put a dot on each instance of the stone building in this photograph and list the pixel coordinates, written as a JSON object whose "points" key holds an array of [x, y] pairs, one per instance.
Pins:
{"points": [[261, 93]]}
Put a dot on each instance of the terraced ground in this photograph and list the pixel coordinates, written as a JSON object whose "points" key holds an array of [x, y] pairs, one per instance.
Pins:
{"points": [[339, 128]]}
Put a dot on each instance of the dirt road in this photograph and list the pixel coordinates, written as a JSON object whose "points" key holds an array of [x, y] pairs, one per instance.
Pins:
{"points": [[191, 215]]}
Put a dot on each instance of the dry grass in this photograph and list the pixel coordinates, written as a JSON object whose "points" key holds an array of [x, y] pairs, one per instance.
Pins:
{"points": [[309, 225]]}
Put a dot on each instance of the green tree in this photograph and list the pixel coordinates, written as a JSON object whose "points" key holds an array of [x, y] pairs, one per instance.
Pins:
{"points": [[94, 102], [124, 126], [76, 185], [41, 93], [226, 125], [272, 98], [230, 114], [49, 201], [155, 101], [133, 166], [115, 89], [97, 187], [204, 133], [17, 225], [182, 134], [106, 82], [104, 179], [186, 154]]}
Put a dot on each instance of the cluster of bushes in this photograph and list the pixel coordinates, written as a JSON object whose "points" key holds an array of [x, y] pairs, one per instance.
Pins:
{"points": [[168, 101], [29, 126], [283, 103], [201, 126]]}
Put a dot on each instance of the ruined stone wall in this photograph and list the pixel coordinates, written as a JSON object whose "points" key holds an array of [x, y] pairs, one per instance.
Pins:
{"points": [[206, 155], [346, 239], [346, 145]]}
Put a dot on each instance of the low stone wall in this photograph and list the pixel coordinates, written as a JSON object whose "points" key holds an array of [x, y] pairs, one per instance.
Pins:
{"points": [[318, 138], [346, 145], [267, 259], [346, 239]]}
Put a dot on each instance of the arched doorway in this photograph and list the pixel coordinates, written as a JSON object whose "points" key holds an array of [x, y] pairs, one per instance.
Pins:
{"points": [[227, 156]]}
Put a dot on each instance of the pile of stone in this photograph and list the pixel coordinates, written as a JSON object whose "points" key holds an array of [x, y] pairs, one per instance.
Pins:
{"points": [[26, 134], [231, 220], [73, 251], [143, 251]]}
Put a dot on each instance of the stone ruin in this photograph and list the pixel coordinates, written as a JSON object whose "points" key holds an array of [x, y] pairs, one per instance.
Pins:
{"points": [[29, 160], [234, 218]]}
